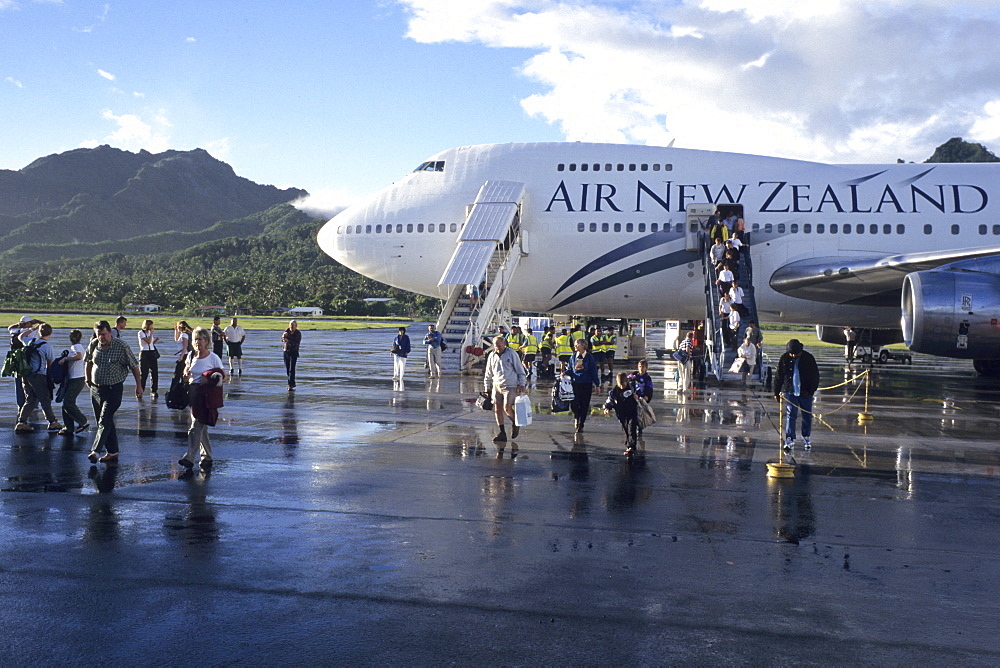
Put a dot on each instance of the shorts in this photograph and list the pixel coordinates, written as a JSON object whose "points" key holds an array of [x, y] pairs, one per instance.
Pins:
{"points": [[529, 357], [598, 355], [564, 358], [502, 397], [609, 355], [236, 350], [546, 350]]}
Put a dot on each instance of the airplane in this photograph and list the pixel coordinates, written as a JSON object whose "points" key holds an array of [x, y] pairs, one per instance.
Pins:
{"points": [[910, 252]]}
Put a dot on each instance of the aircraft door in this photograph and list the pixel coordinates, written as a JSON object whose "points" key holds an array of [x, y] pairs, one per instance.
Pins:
{"points": [[697, 217]]}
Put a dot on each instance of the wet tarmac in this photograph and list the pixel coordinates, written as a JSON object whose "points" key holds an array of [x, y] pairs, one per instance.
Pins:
{"points": [[359, 522]]}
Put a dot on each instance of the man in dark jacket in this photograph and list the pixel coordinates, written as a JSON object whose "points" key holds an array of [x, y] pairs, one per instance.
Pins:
{"points": [[796, 380]]}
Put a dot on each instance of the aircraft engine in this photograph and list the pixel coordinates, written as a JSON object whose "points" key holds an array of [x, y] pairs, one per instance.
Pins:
{"points": [[953, 314]]}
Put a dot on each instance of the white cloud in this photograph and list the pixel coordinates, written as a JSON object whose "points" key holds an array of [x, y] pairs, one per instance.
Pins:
{"points": [[133, 133], [325, 203], [12, 81], [838, 80], [191, 40], [107, 75]]}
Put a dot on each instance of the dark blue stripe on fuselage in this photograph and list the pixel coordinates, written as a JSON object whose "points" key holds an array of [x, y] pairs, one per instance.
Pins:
{"points": [[620, 253], [641, 270]]}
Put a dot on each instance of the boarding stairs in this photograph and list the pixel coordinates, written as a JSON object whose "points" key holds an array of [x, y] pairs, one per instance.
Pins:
{"points": [[718, 356], [489, 251]]}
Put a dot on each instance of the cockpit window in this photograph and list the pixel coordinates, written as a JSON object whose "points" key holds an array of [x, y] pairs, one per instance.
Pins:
{"points": [[431, 166]]}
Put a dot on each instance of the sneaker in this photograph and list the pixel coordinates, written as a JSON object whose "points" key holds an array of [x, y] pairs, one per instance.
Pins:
{"points": [[500, 438], [515, 431], [806, 444], [55, 426], [186, 463], [789, 442], [23, 428], [206, 464], [93, 457]]}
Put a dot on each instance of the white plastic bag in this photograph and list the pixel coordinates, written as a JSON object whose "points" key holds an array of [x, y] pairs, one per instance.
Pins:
{"points": [[566, 388], [522, 410]]}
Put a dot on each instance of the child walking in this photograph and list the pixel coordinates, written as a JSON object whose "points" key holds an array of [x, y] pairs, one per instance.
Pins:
{"points": [[624, 401]]}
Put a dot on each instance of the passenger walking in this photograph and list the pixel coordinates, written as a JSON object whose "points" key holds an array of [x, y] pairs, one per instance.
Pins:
{"points": [[400, 349], [530, 351], [108, 361], [203, 370], [582, 370], [291, 339], [684, 367], [504, 380], [73, 418], [643, 384], [218, 336], [748, 353], [610, 347], [120, 323], [149, 365], [24, 326], [235, 336], [36, 382], [182, 337], [796, 381], [623, 399], [433, 342]]}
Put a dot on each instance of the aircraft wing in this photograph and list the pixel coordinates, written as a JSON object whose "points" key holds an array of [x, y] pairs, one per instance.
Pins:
{"points": [[865, 279]]}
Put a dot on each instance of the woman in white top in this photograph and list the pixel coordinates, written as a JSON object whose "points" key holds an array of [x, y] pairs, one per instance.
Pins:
{"points": [[75, 380], [195, 366], [148, 354], [748, 352], [182, 336]]}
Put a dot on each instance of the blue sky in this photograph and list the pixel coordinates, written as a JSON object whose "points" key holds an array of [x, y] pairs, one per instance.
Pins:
{"points": [[344, 97]]}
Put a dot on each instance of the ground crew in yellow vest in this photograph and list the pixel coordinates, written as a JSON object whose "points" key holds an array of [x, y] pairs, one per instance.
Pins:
{"points": [[575, 336], [517, 340], [564, 350], [610, 345], [548, 347], [597, 350], [530, 351]]}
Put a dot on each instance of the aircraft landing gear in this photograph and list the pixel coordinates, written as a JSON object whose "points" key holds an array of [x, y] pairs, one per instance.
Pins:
{"points": [[987, 368]]}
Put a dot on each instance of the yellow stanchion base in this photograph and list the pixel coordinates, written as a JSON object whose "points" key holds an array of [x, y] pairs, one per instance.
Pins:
{"points": [[776, 469], [865, 418]]}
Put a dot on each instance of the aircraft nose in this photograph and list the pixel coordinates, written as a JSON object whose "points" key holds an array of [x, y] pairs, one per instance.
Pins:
{"points": [[330, 235]]}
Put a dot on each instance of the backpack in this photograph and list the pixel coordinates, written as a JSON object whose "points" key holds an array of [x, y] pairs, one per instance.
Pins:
{"points": [[21, 361]]}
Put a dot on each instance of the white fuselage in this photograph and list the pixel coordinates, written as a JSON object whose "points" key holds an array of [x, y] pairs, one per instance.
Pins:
{"points": [[590, 212]]}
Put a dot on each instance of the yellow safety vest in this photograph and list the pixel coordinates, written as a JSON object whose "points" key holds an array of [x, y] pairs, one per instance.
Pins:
{"points": [[576, 336], [516, 341], [531, 346], [610, 343], [563, 346]]}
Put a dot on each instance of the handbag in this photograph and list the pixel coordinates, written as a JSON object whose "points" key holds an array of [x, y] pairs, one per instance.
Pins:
{"points": [[178, 396], [444, 346], [156, 353], [484, 401], [681, 356], [737, 366], [395, 350], [566, 388], [646, 415]]}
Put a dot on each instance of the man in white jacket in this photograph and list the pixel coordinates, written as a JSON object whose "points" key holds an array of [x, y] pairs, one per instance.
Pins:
{"points": [[505, 379]]}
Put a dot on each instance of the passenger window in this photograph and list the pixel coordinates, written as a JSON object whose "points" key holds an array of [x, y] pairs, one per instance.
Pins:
{"points": [[618, 227], [349, 228], [954, 229], [794, 228], [628, 227], [631, 167], [900, 229], [768, 228], [597, 167], [604, 227], [643, 168], [584, 167], [654, 227], [847, 228], [807, 228], [679, 228], [572, 167], [607, 167], [820, 228], [928, 228], [593, 227], [357, 230], [982, 229], [642, 227], [996, 229], [668, 168], [756, 227], [454, 227], [860, 229], [368, 229], [420, 227], [833, 228], [399, 228], [781, 228], [580, 227], [656, 167], [378, 229], [887, 229], [560, 167], [409, 227], [621, 167]]}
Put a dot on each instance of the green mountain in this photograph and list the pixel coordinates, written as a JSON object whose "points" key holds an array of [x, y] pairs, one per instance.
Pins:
{"points": [[90, 196]]}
